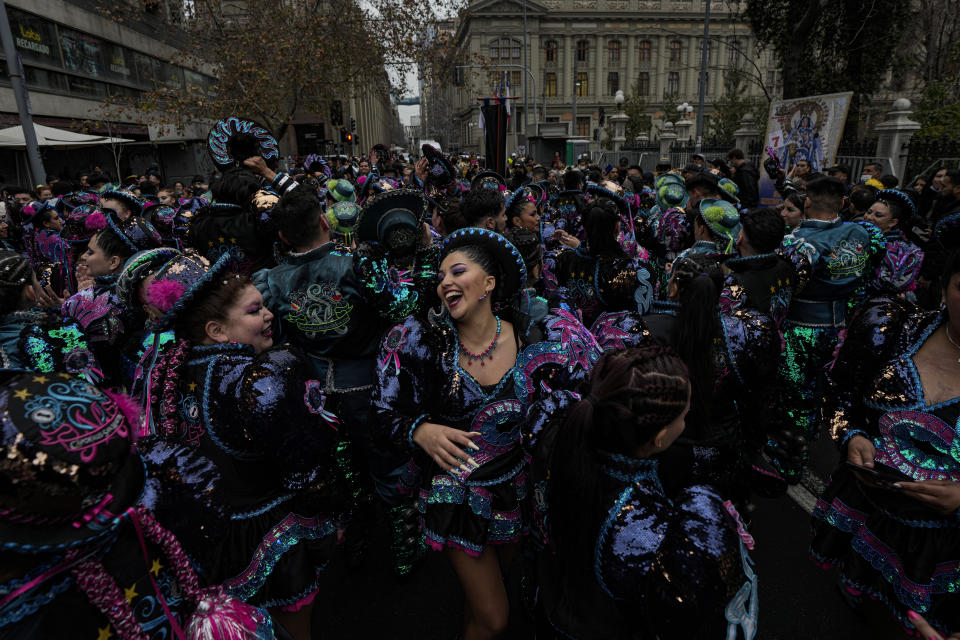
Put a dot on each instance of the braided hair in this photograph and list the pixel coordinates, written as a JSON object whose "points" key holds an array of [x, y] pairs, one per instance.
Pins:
{"points": [[699, 281], [633, 395]]}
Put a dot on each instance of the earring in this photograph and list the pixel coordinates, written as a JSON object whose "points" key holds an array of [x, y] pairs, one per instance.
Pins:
{"points": [[483, 297]]}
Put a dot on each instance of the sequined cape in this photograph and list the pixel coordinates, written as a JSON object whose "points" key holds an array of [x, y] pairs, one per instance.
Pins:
{"points": [[594, 284], [420, 380], [889, 546], [261, 421], [899, 269], [399, 287], [41, 340], [769, 280], [662, 568]]}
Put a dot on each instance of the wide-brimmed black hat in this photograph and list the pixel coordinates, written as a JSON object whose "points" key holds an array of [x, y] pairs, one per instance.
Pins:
{"points": [[70, 471], [233, 140], [137, 268], [136, 233], [598, 191], [441, 171], [134, 204], [511, 261], [488, 179], [386, 213], [179, 281], [70, 201], [82, 223]]}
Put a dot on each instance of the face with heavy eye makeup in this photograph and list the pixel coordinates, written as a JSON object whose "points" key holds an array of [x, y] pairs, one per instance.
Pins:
{"points": [[247, 322], [462, 284]]}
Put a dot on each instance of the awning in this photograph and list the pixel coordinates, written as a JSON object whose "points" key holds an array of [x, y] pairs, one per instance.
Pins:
{"points": [[12, 138]]}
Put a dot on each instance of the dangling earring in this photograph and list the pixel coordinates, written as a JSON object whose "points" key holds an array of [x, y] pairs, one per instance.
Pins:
{"points": [[483, 297]]}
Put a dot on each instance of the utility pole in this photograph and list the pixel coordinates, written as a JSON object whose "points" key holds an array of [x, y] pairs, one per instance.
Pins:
{"points": [[573, 127], [15, 70], [526, 106], [704, 60]]}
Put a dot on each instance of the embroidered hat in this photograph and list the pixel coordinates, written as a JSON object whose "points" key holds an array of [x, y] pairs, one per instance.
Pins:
{"points": [[15, 270], [341, 190], [315, 157], [373, 185], [138, 268], [134, 204], [163, 217], [602, 191], [723, 219], [488, 179], [440, 172], [509, 257], [514, 201], [668, 178], [70, 470], [538, 191], [947, 231], [70, 201], [179, 281], [730, 189], [82, 223], [670, 194], [342, 217], [136, 233], [899, 197], [232, 140], [393, 218]]}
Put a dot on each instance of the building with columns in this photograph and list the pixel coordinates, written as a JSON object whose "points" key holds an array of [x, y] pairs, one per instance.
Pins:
{"points": [[592, 48]]}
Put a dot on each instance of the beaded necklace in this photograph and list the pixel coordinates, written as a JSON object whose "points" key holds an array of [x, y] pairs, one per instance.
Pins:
{"points": [[485, 354]]}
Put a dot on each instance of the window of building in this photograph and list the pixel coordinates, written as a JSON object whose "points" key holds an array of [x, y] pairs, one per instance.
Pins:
{"points": [[583, 50], [583, 127], [613, 47], [645, 49], [613, 83], [550, 84], [504, 49], [700, 51], [550, 48], [673, 82], [643, 84], [734, 55], [516, 82], [582, 84], [676, 51], [552, 119]]}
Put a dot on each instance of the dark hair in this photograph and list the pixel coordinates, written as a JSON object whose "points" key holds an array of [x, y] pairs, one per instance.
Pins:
{"points": [[572, 179], [699, 281], [297, 216], [735, 154], [147, 188], [889, 181], [479, 204], [485, 260], [538, 173], [862, 196], [15, 189], [601, 228], [213, 303], [449, 211], [61, 188], [235, 186], [763, 228], [631, 396], [954, 175], [705, 182], [826, 193], [516, 207], [797, 199], [595, 175], [875, 165], [43, 217], [721, 165], [97, 179], [112, 245]]}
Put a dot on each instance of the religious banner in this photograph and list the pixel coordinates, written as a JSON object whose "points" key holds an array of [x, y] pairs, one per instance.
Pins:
{"points": [[803, 129]]}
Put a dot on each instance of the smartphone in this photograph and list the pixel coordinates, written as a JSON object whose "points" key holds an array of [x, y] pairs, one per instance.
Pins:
{"points": [[881, 477]]}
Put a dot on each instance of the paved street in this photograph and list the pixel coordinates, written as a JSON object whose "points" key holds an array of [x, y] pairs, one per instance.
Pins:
{"points": [[797, 600]]}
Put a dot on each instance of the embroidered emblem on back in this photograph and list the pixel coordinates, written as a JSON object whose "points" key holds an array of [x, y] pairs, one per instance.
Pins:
{"points": [[320, 309]]}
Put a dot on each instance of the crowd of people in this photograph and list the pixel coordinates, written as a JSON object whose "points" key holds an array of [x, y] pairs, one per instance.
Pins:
{"points": [[210, 391]]}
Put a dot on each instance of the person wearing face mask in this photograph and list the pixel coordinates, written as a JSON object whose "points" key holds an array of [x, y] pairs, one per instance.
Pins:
{"points": [[454, 391], [258, 414], [625, 560]]}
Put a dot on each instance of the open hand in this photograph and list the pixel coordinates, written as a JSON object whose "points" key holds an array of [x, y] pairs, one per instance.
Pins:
{"points": [[942, 496], [445, 445], [46, 298]]}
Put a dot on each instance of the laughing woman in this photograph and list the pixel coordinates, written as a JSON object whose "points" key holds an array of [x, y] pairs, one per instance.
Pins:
{"points": [[455, 390], [250, 408]]}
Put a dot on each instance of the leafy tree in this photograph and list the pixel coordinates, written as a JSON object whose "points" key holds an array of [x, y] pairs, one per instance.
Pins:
{"points": [[639, 121], [828, 46], [730, 108]]}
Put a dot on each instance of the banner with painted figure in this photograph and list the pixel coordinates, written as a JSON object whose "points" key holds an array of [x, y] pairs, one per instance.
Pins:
{"points": [[803, 129]]}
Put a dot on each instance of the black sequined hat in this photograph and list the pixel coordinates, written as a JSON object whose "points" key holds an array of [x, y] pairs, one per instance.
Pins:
{"points": [[488, 179], [136, 233], [233, 137], [137, 269], [70, 471], [598, 191], [15, 270], [179, 281], [391, 211], [70, 201], [441, 171], [947, 231], [901, 198], [82, 223], [134, 204], [511, 262]]}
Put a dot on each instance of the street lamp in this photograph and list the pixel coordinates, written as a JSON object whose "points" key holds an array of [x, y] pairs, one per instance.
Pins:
{"points": [[619, 99], [576, 89]]}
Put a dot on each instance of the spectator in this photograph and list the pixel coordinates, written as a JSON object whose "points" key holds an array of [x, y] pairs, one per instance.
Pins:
{"points": [[871, 170], [21, 195], [484, 208], [889, 181], [841, 172], [949, 199], [746, 177], [859, 201]]}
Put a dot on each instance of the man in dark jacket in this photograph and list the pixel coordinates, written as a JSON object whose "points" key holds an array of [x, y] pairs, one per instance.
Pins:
{"points": [[746, 177]]}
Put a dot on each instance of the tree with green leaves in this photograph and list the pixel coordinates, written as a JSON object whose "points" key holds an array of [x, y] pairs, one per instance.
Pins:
{"points": [[635, 108], [730, 108], [829, 46]]}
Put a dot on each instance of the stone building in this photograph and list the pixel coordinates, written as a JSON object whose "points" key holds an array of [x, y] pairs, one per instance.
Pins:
{"points": [[594, 48]]}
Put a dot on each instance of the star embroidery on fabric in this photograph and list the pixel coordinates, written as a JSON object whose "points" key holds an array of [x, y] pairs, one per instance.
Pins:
{"points": [[155, 568], [130, 593], [192, 386], [220, 239], [65, 376], [40, 379], [23, 394], [233, 241], [104, 633]]}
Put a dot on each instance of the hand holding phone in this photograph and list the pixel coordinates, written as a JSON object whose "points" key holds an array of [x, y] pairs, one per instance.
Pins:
{"points": [[880, 477]]}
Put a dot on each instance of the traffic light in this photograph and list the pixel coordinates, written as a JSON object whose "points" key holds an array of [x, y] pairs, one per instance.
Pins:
{"points": [[353, 124], [349, 137]]}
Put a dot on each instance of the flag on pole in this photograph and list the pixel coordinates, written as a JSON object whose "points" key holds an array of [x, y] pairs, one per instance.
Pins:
{"points": [[506, 99], [481, 123]]}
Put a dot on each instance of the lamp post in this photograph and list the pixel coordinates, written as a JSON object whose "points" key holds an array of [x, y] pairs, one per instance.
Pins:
{"points": [[684, 123], [702, 89], [576, 88], [619, 122]]}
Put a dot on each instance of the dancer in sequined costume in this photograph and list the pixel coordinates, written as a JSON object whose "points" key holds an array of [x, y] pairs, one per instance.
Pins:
{"points": [[897, 273], [626, 561], [455, 390], [893, 404]]}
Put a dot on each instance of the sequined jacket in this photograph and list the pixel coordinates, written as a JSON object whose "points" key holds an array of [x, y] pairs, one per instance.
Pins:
{"points": [[41, 340], [321, 304], [569, 208], [260, 420], [663, 568], [768, 281], [420, 380], [399, 287], [841, 255], [593, 284], [898, 270]]}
